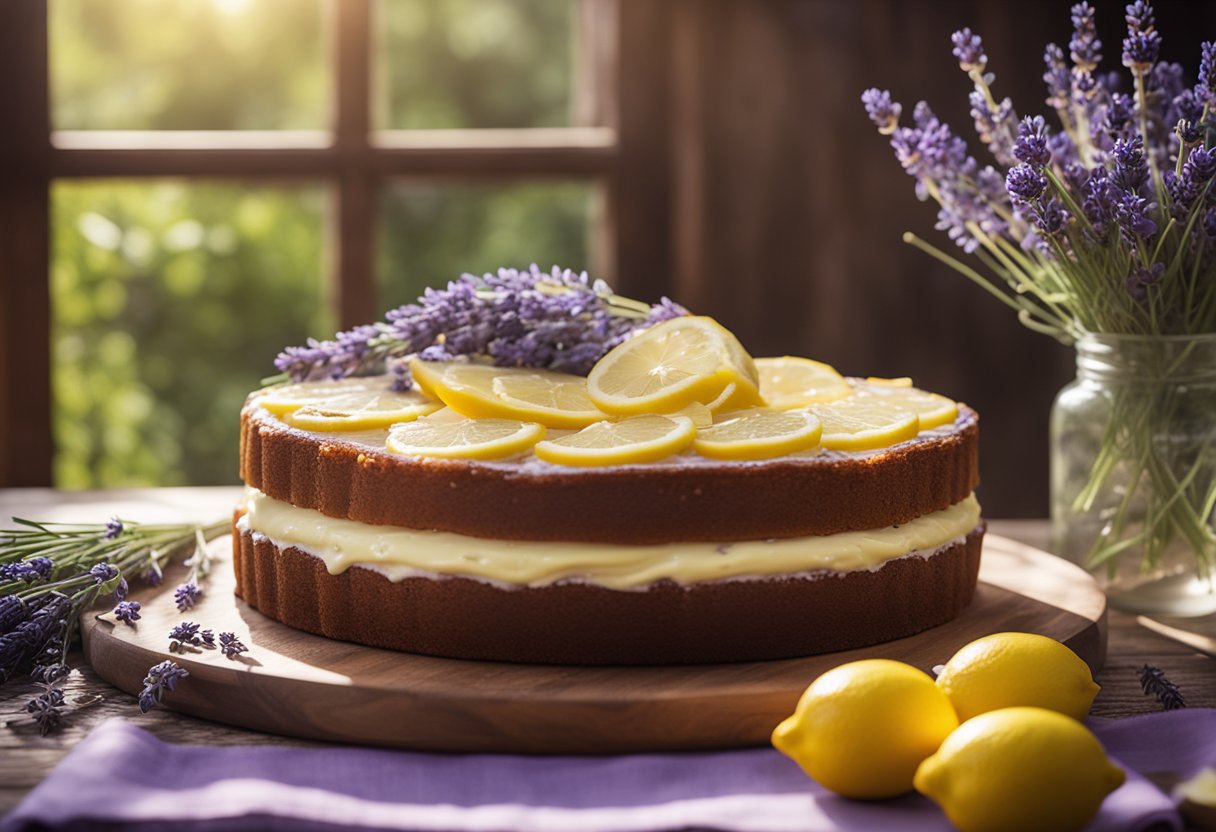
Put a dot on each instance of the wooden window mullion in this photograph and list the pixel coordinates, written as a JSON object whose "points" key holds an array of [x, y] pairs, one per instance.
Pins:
{"points": [[353, 276], [25, 306]]}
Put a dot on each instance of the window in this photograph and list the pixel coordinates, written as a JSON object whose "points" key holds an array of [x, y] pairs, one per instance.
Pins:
{"points": [[155, 256]]}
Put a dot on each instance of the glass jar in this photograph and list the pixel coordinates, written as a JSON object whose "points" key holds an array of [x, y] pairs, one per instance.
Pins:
{"points": [[1133, 470]]}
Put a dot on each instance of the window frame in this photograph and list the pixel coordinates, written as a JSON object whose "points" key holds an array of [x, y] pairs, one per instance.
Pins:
{"points": [[622, 77]]}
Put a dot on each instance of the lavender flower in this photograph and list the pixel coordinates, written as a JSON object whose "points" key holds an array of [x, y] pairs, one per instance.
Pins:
{"points": [[186, 595], [882, 110], [969, 49], [1142, 44], [559, 320], [1131, 168], [113, 528], [103, 572], [1031, 144], [206, 638], [30, 638], [33, 569], [12, 611], [162, 677], [1098, 201], [1117, 120], [1051, 217], [1085, 46], [1141, 278], [127, 611], [1025, 183], [231, 646], [1057, 77], [1185, 188], [183, 634], [1153, 680], [1132, 214], [1205, 90], [46, 710], [995, 127]]}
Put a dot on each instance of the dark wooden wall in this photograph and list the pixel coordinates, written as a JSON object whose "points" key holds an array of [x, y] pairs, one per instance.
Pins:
{"points": [[787, 207]]}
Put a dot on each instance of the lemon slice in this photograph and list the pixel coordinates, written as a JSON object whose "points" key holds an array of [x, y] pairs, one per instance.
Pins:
{"points": [[900, 381], [862, 424], [632, 439], [556, 400], [449, 438], [934, 410], [346, 404], [789, 382], [671, 365], [760, 434]]}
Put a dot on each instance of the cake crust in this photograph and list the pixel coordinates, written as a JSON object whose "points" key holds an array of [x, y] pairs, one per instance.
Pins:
{"points": [[573, 623], [634, 504]]}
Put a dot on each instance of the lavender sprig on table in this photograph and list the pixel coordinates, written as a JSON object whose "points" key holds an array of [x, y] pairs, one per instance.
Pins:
{"points": [[51, 572], [519, 318], [161, 677], [1153, 680]]}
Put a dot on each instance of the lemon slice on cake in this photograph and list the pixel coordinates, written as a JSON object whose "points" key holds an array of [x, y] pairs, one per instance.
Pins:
{"points": [[480, 391], [934, 410], [633, 439], [789, 382], [449, 436], [347, 404], [672, 364], [760, 434], [864, 423]]}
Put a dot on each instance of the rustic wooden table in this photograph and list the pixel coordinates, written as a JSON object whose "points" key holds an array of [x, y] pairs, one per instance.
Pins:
{"points": [[26, 757]]}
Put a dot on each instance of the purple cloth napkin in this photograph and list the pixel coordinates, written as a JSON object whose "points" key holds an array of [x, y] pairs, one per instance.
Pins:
{"points": [[122, 777]]}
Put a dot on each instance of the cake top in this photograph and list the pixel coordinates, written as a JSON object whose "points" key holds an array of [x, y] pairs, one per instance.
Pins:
{"points": [[651, 383]]}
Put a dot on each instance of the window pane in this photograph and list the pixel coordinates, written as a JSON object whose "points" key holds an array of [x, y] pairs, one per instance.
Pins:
{"points": [[169, 304], [188, 65], [474, 63], [431, 233]]}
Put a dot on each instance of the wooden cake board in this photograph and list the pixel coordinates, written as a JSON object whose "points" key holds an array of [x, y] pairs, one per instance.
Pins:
{"points": [[297, 684]]}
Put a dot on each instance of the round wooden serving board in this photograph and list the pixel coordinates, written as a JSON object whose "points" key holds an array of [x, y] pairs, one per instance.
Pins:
{"points": [[303, 685]]}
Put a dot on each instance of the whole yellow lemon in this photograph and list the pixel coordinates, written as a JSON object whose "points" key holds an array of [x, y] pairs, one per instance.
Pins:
{"points": [[1005, 670], [1017, 769], [862, 728]]}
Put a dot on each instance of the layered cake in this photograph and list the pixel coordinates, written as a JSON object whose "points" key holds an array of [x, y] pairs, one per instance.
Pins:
{"points": [[679, 504]]}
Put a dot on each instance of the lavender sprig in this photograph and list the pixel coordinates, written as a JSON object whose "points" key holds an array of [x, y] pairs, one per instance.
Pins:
{"points": [[1154, 681], [519, 318], [46, 708], [231, 646], [51, 572], [161, 677]]}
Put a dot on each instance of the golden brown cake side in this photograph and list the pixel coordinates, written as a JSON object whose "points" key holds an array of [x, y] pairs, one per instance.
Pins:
{"points": [[576, 623], [658, 503]]}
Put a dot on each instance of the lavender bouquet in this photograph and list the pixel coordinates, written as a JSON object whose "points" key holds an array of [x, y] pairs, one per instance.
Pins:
{"points": [[1104, 225]]}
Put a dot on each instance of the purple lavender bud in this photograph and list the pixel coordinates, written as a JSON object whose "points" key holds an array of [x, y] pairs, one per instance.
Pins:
{"points": [[994, 127], [42, 630], [882, 110], [1085, 46], [127, 611], [49, 674], [162, 677], [12, 612], [1184, 189], [1117, 121], [103, 572], [113, 528], [1142, 45], [1057, 77], [1051, 217], [969, 49], [1098, 201], [45, 710], [231, 646], [1132, 214], [207, 638], [185, 633], [186, 595], [1024, 183], [1206, 88], [1131, 168], [1031, 144], [1141, 278]]}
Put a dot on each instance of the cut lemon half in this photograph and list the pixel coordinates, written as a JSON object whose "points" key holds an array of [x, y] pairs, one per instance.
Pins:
{"points": [[760, 434], [633, 439], [348, 404], [672, 364], [862, 424], [789, 382], [449, 438], [934, 410], [556, 400]]}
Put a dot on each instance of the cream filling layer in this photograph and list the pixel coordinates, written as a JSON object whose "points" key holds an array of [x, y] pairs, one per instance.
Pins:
{"points": [[400, 553]]}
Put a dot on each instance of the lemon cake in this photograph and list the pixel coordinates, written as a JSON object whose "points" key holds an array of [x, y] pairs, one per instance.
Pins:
{"points": [[682, 503]]}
